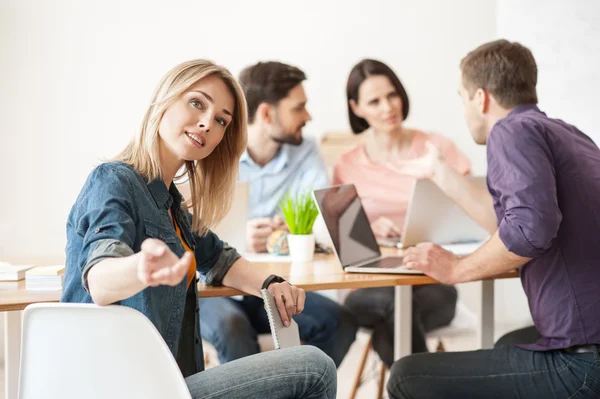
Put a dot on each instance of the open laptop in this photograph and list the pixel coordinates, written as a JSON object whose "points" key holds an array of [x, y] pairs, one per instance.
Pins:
{"points": [[350, 231], [433, 217]]}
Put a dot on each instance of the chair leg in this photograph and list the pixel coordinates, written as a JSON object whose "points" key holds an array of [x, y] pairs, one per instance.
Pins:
{"points": [[361, 367], [382, 370]]}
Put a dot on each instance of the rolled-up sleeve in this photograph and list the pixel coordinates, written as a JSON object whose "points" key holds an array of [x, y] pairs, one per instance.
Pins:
{"points": [[106, 222], [214, 258], [521, 173]]}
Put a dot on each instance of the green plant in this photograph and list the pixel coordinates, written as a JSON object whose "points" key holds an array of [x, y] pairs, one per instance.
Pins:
{"points": [[299, 212]]}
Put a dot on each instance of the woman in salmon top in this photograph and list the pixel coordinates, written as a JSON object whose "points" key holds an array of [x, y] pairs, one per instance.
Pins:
{"points": [[384, 167]]}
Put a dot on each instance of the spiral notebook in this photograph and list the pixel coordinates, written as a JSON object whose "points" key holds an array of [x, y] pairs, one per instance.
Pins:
{"points": [[283, 337]]}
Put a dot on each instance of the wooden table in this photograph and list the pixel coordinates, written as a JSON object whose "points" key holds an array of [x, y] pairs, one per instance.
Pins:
{"points": [[323, 273]]}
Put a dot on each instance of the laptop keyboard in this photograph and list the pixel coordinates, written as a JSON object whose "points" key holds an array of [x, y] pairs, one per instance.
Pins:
{"points": [[386, 263]]}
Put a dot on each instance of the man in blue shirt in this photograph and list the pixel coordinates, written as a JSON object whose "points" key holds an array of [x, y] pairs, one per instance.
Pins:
{"points": [[278, 159], [544, 184]]}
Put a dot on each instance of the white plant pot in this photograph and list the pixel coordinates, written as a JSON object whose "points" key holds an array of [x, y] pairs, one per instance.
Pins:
{"points": [[302, 247]]}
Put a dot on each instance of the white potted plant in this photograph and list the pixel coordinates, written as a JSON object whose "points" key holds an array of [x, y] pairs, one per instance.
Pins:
{"points": [[300, 213]]}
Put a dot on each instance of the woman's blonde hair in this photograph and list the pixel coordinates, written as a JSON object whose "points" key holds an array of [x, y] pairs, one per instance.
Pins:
{"points": [[212, 179]]}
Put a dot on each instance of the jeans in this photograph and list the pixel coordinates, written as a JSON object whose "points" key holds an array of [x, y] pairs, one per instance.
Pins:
{"points": [[504, 372], [433, 307], [300, 372], [232, 326]]}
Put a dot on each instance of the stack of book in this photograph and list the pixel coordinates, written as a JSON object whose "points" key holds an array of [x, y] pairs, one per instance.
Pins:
{"points": [[10, 272], [45, 278]]}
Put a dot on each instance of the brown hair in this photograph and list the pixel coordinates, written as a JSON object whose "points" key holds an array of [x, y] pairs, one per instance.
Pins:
{"points": [[358, 75], [268, 82], [507, 70]]}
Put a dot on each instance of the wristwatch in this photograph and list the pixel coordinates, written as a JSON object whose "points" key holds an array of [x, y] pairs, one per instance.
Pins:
{"points": [[273, 278]]}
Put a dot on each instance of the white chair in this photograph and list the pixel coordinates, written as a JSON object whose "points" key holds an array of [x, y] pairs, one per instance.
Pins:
{"points": [[73, 351]]}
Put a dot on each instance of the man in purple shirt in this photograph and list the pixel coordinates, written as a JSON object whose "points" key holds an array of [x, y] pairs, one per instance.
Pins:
{"points": [[544, 181]]}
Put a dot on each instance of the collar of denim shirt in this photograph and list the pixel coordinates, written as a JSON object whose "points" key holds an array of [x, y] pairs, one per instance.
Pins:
{"points": [[164, 198]]}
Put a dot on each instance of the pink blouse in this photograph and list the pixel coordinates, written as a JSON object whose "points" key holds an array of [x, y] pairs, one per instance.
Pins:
{"points": [[384, 192]]}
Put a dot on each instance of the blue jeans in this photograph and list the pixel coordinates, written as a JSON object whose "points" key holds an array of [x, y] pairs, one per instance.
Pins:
{"points": [[300, 372], [503, 372], [232, 326]]}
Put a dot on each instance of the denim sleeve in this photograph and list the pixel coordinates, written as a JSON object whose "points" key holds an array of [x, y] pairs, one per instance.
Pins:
{"points": [[214, 258], [521, 173], [106, 218]]}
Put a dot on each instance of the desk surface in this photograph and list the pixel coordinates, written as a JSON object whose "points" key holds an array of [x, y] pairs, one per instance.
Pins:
{"points": [[323, 273]]}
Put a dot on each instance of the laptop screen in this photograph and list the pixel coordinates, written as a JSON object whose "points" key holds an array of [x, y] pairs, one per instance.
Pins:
{"points": [[347, 224]]}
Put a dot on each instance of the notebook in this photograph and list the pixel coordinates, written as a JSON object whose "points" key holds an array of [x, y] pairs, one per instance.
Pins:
{"points": [[56, 270], [283, 337], [10, 272], [45, 278]]}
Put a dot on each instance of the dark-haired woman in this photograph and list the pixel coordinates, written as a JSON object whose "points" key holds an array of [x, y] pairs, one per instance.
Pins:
{"points": [[384, 167]]}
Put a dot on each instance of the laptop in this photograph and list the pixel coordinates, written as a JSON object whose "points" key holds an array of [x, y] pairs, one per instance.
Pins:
{"points": [[433, 217], [353, 240]]}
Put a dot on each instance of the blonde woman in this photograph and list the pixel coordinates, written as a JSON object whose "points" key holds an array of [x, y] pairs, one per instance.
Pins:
{"points": [[131, 240]]}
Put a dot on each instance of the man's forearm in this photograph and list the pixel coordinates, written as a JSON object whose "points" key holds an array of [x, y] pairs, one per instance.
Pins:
{"points": [[490, 260], [476, 201]]}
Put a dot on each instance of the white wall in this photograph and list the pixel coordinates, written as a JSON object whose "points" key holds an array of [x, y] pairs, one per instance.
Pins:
{"points": [[564, 40], [77, 75]]}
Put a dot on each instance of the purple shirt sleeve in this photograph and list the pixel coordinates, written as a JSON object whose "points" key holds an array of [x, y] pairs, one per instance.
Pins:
{"points": [[522, 181]]}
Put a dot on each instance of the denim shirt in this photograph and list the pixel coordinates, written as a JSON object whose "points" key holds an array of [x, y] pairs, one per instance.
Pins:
{"points": [[115, 212]]}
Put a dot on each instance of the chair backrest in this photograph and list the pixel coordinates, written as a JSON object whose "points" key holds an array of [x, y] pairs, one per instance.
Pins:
{"points": [[228, 228], [85, 351], [334, 144]]}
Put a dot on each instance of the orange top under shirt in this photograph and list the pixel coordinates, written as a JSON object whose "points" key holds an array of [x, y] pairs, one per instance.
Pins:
{"points": [[192, 270]]}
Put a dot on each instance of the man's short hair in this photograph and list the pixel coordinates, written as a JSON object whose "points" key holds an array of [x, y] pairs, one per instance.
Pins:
{"points": [[507, 70], [268, 82]]}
